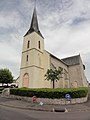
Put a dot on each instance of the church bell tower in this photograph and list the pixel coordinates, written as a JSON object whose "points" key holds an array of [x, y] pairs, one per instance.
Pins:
{"points": [[31, 71]]}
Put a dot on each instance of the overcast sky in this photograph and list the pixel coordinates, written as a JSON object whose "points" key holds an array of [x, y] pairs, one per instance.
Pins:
{"points": [[65, 25]]}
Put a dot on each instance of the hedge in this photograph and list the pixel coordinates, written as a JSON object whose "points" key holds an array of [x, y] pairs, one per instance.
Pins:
{"points": [[50, 93]]}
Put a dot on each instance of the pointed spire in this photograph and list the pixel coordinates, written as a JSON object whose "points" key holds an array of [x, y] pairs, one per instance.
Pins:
{"points": [[34, 24]]}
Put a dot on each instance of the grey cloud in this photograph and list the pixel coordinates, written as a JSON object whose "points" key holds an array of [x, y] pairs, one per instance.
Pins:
{"points": [[55, 21], [78, 20]]}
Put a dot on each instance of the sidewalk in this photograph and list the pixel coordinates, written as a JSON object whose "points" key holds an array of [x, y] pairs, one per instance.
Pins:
{"points": [[34, 106]]}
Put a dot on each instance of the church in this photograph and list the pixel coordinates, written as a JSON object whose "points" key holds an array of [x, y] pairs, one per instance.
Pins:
{"points": [[35, 62]]}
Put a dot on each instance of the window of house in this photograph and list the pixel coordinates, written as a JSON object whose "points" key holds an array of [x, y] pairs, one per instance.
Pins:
{"points": [[28, 44], [27, 58], [39, 44]]}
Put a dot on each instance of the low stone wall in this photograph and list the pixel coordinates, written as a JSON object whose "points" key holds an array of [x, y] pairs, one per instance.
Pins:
{"points": [[48, 101]]}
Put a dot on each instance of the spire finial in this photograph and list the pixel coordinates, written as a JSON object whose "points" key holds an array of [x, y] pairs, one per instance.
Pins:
{"points": [[35, 3], [34, 23]]}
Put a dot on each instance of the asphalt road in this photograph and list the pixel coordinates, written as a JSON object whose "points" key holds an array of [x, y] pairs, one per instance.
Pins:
{"points": [[7, 113], [13, 114]]}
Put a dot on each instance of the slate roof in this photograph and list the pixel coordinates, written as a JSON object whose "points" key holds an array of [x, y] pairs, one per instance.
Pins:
{"points": [[73, 60], [34, 25]]}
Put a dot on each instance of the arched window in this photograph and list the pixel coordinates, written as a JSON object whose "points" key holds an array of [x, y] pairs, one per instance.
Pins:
{"points": [[25, 82], [39, 44], [27, 58], [28, 44]]}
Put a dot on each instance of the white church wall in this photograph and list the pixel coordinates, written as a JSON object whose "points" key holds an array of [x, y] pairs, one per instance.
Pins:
{"points": [[46, 66], [83, 77], [75, 76], [63, 82]]}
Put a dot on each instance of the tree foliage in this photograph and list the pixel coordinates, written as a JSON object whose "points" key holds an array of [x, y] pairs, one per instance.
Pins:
{"points": [[5, 76], [54, 74]]}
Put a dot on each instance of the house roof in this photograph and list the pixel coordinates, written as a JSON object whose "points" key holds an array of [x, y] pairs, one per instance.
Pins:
{"points": [[57, 58], [53, 56], [73, 60]]}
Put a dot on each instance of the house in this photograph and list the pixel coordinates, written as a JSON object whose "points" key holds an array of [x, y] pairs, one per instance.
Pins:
{"points": [[36, 60]]}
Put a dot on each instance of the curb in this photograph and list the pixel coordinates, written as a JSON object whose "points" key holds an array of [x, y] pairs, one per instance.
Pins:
{"points": [[27, 108], [45, 110]]}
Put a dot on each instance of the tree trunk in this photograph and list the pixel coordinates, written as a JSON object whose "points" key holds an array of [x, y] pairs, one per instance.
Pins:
{"points": [[53, 84], [7, 84]]}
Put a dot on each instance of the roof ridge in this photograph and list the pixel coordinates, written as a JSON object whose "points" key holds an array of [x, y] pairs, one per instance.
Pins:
{"points": [[71, 56]]}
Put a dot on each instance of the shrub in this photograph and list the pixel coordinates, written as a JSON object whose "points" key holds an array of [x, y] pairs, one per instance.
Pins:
{"points": [[50, 93]]}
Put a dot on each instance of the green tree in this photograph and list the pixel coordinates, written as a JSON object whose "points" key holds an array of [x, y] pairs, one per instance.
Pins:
{"points": [[54, 75], [5, 76]]}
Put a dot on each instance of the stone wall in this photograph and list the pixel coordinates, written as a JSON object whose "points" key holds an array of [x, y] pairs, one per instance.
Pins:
{"points": [[48, 101]]}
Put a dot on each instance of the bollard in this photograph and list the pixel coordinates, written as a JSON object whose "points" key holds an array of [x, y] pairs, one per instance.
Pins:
{"points": [[34, 99]]}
